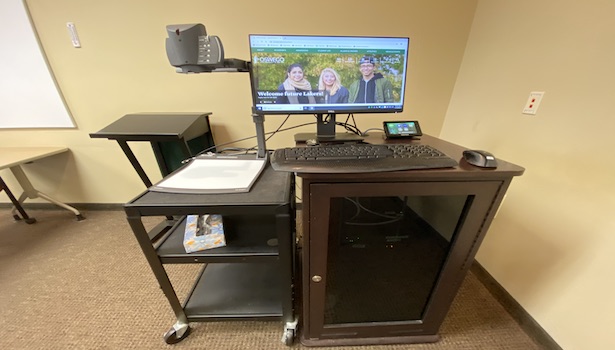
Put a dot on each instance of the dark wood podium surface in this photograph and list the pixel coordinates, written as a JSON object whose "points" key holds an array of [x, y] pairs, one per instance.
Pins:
{"points": [[464, 170]]}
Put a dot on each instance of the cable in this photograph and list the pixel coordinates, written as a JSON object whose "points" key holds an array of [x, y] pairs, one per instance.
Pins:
{"points": [[248, 138], [370, 129], [357, 206], [373, 223], [349, 127], [376, 213], [352, 128], [360, 207], [286, 129], [354, 122], [278, 129], [273, 132]]}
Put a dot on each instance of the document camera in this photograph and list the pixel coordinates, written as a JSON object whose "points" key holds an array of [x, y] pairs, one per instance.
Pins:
{"points": [[191, 50]]}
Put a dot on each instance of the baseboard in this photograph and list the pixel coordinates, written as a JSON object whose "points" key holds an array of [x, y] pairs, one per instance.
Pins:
{"points": [[78, 206], [522, 317]]}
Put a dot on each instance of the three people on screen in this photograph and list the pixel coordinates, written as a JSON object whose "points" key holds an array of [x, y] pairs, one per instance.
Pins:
{"points": [[370, 87]]}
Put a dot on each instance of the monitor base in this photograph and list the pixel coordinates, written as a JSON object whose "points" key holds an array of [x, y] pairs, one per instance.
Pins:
{"points": [[337, 138]]}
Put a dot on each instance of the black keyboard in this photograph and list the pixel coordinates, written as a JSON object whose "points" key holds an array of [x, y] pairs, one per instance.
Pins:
{"points": [[359, 158]]}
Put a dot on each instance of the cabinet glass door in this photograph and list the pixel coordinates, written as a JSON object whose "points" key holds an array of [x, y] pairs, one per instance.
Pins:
{"points": [[387, 247]]}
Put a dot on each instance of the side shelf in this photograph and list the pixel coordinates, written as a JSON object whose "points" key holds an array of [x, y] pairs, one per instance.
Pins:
{"points": [[247, 238], [236, 291]]}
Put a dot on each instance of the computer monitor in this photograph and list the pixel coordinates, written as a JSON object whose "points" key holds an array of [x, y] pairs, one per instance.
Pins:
{"points": [[327, 75]]}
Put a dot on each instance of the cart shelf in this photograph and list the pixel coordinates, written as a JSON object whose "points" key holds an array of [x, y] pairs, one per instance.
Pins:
{"points": [[236, 291], [245, 240]]}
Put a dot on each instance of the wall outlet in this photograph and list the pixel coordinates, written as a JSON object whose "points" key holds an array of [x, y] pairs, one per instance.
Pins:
{"points": [[531, 106]]}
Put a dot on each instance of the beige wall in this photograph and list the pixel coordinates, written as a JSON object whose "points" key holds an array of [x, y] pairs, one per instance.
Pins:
{"points": [[122, 68], [552, 245]]}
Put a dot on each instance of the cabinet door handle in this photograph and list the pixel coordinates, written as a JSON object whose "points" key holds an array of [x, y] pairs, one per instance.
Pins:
{"points": [[316, 278]]}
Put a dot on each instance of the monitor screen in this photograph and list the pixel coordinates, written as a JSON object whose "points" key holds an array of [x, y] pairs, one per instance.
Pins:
{"points": [[300, 74]]}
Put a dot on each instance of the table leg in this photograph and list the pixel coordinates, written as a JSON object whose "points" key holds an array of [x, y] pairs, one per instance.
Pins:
{"points": [[31, 192], [17, 205]]}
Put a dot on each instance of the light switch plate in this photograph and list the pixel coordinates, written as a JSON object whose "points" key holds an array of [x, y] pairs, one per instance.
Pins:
{"points": [[74, 38]]}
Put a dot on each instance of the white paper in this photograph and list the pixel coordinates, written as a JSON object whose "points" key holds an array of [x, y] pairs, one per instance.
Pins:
{"points": [[213, 175]]}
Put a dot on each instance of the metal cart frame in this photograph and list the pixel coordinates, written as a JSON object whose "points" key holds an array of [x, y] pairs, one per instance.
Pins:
{"points": [[252, 277]]}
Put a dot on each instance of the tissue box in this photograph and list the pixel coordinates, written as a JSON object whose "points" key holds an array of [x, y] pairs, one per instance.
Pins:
{"points": [[203, 232]]}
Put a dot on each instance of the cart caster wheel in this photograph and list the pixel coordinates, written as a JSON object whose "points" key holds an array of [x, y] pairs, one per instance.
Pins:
{"points": [[174, 336], [288, 337]]}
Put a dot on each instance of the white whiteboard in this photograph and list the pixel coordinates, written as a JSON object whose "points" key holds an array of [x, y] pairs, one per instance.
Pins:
{"points": [[29, 97]]}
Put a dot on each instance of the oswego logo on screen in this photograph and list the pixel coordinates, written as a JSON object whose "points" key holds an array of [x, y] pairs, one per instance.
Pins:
{"points": [[257, 59]]}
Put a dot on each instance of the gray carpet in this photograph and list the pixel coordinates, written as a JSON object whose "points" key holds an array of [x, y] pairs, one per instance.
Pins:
{"points": [[67, 284]]}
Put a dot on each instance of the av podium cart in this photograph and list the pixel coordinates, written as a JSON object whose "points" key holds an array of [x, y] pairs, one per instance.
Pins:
{"points": [[251, 277], [384, 253]]}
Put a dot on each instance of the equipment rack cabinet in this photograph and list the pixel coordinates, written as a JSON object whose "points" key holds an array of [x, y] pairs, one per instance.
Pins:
{"points": [[385, 253], [251, 277]]}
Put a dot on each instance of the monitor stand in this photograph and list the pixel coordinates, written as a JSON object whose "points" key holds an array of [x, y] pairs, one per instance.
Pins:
{"points": [[325, 132]]}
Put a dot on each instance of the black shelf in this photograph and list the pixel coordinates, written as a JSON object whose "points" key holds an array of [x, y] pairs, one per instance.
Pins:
{"points": [[269, 195], [247, 238], [173, 137], [236, 291]]}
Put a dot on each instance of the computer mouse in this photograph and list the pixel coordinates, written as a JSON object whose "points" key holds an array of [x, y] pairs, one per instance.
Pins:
{"points": [[480, 158]]}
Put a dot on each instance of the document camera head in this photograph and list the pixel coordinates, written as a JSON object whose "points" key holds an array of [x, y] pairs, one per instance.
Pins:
{"points": [[191, 50]]}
